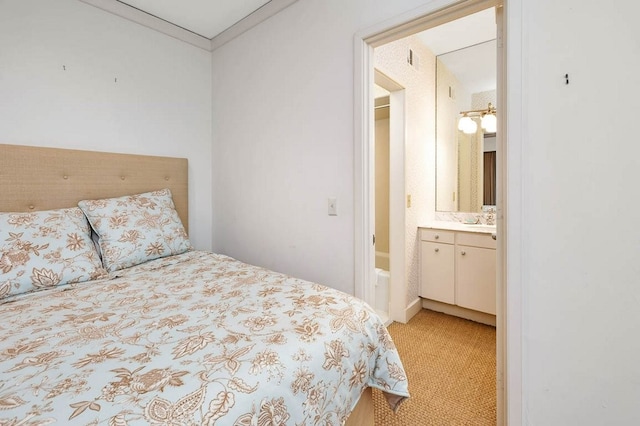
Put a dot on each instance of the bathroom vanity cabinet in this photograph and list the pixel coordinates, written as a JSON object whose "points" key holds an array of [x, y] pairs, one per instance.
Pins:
{"points": [[458, 267]]}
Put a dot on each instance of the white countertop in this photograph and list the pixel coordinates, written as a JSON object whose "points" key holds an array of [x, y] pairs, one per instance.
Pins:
{"points": [[459, 226]]}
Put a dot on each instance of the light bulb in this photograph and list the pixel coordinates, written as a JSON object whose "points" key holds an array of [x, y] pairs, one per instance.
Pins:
{"points": [[470, 126], [467, 125], [463, 123], [489, 123]]}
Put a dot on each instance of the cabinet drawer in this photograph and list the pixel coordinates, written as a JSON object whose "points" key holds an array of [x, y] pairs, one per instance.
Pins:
{"points": [[437, 236], [476, 239]]}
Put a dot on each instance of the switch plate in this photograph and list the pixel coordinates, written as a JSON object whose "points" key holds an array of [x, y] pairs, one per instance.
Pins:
{"points": [[332, 205]]}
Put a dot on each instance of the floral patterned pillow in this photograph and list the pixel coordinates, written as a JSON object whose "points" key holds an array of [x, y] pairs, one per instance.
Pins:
{"points": [[136, 228], [45, 249]]}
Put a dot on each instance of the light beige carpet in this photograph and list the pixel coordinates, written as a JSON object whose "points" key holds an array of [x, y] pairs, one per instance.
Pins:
{"points": [[451, 367]]}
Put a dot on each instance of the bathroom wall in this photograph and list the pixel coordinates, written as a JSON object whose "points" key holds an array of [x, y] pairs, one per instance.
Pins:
{"points": [[419, 82], [481, 100]]}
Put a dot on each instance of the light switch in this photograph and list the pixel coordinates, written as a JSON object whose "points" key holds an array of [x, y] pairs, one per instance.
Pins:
{"points": [[333, 206]]}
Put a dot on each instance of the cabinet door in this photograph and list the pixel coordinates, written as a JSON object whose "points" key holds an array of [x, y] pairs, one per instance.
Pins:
{"points": [[437, 271], [476, 278]]}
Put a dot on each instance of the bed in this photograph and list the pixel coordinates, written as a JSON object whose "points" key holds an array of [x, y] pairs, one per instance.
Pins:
{"points": [[134, 329]]}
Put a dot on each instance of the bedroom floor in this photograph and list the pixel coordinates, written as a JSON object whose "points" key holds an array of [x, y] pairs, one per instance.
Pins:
{"points": [[451, 366]]}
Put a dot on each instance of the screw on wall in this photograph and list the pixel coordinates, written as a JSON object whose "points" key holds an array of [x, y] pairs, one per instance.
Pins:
{"points": [[566, 79]]}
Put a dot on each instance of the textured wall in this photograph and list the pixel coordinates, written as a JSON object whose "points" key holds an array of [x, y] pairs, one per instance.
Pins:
{"points": [[481, 100], [419, 84]]}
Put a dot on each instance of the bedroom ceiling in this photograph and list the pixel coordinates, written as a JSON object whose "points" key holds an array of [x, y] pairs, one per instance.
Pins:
{"points": [[204, 17], [207, 24]]}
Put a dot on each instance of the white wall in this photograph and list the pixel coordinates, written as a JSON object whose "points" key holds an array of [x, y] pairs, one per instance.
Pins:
{"points": [[579, 272], [275, 158], [160, 104]]}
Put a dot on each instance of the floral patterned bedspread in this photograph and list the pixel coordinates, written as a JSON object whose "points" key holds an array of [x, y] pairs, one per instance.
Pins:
{"points": [[197, 338]]}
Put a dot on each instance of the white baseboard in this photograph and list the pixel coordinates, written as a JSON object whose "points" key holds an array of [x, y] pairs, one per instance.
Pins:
{"points": [[458, 311], [413, 309]]}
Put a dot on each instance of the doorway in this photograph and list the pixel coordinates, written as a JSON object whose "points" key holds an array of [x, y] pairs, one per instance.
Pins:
{"points": [[365, 251]]}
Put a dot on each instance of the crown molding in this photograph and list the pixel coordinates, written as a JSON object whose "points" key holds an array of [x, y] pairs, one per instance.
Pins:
{"points": [[259, 15], [150, 21], [140, 17]]}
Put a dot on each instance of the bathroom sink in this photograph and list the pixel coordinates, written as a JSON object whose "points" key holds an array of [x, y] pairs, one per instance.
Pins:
{"points": [[461, 226], [480, 226]]}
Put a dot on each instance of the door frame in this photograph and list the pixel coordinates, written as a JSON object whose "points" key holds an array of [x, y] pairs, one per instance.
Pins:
{"points": [[509, 354]]}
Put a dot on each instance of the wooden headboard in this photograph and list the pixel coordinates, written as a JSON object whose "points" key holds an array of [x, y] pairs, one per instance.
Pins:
{"points": [[34, 178]]}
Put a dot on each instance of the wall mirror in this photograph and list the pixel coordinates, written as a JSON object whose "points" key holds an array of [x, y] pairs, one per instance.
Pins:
{"points": [[465, 160]]}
